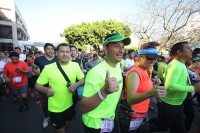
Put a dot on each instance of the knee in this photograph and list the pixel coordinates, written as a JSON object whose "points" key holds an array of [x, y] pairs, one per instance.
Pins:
{"points": [[23, 95]]}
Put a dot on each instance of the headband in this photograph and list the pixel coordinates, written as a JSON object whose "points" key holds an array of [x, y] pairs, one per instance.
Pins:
{"points": [[148, 51]]}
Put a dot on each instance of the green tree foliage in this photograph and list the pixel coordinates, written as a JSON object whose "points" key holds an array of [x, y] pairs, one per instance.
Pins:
{"points": [[93, 33], [131, 48]]}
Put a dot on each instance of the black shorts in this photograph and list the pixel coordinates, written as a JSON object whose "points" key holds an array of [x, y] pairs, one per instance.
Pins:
{"points": [[58, 119], [3, 86], [34, 79], [30, 83]]}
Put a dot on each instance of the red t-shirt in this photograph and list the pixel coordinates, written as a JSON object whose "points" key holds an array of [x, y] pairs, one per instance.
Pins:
{"points": [[17, 79]]}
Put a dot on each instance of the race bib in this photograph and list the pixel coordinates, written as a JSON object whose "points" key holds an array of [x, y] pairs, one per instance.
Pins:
{"points": [[107, 125], [135, 123], [17, 79]]}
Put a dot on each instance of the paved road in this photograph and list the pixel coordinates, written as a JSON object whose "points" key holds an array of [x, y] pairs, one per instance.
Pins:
{"points": [[12, 121]]}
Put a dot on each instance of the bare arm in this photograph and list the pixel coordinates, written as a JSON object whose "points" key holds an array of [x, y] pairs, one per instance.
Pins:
{"points": [[35, 70], [46, 90], [126, 68], [6, 78], [40, 88], [133, 85], [24, 71], [90, 103]]}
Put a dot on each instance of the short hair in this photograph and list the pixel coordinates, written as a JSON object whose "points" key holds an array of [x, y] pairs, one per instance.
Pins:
{"points": [[130, 51], [37, 52], [62, 44], [3, 52], [29, 55], [176, 47], [14, 54], [18, 48], [196, 51], [125, 53], [48, 44], [94, 55], [73, 46]]}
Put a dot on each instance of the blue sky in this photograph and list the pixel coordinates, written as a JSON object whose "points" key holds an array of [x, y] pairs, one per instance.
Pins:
{"points": [[46, 19]]}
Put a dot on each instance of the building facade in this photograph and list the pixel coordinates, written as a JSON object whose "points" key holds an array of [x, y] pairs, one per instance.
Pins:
{"points": [[12, 26]]}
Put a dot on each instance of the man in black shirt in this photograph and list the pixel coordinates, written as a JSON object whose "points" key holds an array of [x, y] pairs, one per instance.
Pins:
{"points": [[84, 60], [40, 63], [74, 57]]}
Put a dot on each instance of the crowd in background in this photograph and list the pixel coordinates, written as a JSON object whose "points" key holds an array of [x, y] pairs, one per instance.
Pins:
{"points": [[87, 61]]}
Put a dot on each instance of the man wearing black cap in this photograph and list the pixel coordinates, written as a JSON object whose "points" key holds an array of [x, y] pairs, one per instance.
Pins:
{"points": [[103, 88]]}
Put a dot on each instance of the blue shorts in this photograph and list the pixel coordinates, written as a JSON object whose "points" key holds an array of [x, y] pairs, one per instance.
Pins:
{"points": [[80, 90]]}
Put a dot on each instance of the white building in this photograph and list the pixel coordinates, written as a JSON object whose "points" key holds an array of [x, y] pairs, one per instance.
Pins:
{"points": [[12, 26]]}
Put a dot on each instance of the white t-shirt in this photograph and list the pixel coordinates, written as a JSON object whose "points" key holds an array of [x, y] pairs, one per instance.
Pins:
{"points": [[22, 57], [2, 64], [128, 63]]}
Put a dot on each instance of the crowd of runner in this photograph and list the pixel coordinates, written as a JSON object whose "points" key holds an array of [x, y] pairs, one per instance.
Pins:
{"points": [[106, 81]]}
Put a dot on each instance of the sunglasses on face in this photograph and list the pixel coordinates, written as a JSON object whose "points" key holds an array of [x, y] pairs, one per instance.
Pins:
{"points": [[151, 58]]}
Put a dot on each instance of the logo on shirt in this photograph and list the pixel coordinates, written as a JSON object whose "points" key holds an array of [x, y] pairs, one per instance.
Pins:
{"points": [[54, 125], [120, 81]]}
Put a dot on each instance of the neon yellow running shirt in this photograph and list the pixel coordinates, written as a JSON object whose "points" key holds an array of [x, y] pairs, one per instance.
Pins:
{"points": [[94, 81], [176, 83]]}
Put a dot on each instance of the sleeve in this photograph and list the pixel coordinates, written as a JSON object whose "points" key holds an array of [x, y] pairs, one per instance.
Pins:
{"points": [[43, 78], [126, 63], [5, 70], [26, 68], [122, 64], [79, 74], [35, 64], [162, 71], [172, 76], [2, 66], [86, 66], [92, 86]]}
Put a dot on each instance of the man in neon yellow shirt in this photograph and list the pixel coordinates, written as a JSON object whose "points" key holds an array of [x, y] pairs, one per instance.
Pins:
{"points": [[103, 87], [60, 103], [170, 110]]}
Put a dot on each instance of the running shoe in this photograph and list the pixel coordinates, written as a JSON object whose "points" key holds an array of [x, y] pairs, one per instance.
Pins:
{"points": [[15, 100], [38, 100], [21, 108], [27, 107], [32, 94], [45, 122]]}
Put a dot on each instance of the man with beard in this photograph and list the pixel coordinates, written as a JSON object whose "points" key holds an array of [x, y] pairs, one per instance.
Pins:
{"points": [[60, 91], [41, 62]]}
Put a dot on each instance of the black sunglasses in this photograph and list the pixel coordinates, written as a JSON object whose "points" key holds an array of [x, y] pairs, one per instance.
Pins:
{"points": [[151, 58]]}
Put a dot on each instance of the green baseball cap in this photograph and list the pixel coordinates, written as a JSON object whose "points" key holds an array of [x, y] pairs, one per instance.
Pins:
{"points": [[117, 38], [195, 58]]}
